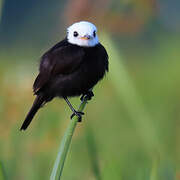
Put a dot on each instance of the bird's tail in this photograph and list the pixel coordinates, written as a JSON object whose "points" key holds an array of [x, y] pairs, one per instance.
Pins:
{"points": [[35, 107]]}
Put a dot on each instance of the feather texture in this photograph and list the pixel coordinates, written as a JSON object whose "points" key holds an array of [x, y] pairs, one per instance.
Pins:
{"points": [[67, 70]]}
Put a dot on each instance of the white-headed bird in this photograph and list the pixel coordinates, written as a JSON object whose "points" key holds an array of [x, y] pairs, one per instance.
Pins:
{"points": [[70, 68]]}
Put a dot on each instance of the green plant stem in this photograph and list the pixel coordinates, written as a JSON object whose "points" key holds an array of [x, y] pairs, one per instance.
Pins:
{"points": [[65, 144], [2, 172], [127, 93]]}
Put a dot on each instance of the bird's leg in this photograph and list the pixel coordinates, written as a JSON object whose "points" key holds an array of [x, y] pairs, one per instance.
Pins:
{"points": [[77, 113], [87, 96]]}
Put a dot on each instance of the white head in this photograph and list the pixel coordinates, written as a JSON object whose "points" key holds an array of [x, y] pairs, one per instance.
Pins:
{"points": [[82, 33]]}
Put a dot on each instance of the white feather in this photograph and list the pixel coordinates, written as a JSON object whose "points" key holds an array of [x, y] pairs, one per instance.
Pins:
{"points": [[82, 28]]}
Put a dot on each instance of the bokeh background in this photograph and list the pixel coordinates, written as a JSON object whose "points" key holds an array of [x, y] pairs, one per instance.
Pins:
{"points": [[131, 128]]}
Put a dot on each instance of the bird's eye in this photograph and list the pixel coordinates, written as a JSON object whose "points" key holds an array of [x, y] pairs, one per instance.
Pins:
{"points": [[94, 33], [75, 34]]}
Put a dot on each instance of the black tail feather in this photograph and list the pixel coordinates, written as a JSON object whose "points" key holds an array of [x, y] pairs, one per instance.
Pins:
{"points": [[35, 107]]}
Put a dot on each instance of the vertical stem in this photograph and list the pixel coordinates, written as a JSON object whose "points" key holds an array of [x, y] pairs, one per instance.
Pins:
{"points": [[65, 144], [2, 172]]}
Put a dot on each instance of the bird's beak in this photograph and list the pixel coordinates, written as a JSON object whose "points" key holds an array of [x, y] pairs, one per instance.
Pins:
{"points": [[86, 37]]}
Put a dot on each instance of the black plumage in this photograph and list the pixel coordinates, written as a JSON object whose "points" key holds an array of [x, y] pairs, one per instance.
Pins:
{"points": [[67, 70]]}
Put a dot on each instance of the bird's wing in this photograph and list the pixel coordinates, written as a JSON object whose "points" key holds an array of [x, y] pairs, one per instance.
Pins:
{"points": [[105, 56], [61, 59]]}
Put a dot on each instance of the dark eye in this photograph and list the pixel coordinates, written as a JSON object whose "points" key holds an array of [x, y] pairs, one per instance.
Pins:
{"points": [[75, 34], [94, 33]]}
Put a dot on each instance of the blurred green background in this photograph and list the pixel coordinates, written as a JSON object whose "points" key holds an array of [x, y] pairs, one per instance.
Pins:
{"points": [[131, 128]]}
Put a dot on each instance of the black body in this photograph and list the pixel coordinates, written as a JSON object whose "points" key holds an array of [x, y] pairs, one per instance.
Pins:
{"points": [[67, 70]]}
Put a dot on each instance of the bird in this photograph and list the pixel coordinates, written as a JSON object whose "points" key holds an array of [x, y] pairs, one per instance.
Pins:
{"points": [[72, 67]]}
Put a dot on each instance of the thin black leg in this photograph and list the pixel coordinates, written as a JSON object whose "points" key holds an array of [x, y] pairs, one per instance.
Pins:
{"points": [[77, 113], [69, 104]]}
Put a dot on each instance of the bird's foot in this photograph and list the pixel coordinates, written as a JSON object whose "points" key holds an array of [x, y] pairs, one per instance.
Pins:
{"points": [[88, 96], [78, 114]]}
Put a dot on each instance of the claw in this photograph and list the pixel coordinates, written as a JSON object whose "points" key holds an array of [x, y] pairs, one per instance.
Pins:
{"points": [[88, 96], [78, 114]]}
